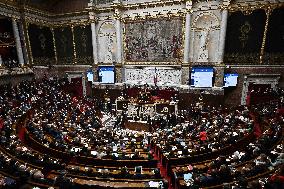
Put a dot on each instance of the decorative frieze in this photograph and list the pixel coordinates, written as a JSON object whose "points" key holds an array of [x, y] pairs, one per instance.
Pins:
{"points": [[165, 76]]}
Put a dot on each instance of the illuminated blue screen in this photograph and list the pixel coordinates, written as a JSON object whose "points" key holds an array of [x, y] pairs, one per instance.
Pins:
{"points": [[202, 76]]}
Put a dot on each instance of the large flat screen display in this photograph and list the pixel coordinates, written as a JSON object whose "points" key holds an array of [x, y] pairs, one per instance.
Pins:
{"points": [[90, 76], [202, 77], [231, 79], [106, 74]]}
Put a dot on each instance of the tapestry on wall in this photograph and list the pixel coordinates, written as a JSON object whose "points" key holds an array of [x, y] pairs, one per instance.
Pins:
{"points": [[64, 45], [7, 41], [274, 48], [83, 41], [42, 46], [244, 37], [157, 40]]}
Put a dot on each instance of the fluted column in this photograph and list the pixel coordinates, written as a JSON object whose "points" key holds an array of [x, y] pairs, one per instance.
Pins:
{"points": [[1, 61], [18, 42], [24, 43], [119, 48], [94, 36], [119, 40], [222, 36], [94, 42], [117, 17], [187, 38]]}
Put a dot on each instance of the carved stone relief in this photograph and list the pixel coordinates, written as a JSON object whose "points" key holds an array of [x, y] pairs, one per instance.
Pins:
{"points": [[165, 76], [107, 42], [205, 36]]}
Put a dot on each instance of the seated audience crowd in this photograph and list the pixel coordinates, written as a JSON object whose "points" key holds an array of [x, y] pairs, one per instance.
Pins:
{"points": [[45, 113]]}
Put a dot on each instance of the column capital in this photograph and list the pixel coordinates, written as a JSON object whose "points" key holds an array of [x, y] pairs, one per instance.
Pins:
{"points": [[93, 17], [268, 10], [188, 5], [14, 19], [117, 3], [117, 14], [225, 5]]}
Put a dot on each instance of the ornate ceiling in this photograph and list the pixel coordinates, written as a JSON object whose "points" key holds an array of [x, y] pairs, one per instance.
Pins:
{"points": [[56, 6], [47, 5], [68, 6]]}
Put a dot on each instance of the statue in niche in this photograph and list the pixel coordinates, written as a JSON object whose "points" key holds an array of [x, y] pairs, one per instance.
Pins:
{"points": [[107, 42], [108, 52], [203, 46]]}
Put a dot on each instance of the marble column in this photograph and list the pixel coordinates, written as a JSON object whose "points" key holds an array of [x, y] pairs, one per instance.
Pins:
{"points": [[1, 61], [219, 76], [118, 72], [94, 42], [118, 40], [24, 47], [187, 38], [185, 75], [222, 36], [191, 43], [18, 42]]}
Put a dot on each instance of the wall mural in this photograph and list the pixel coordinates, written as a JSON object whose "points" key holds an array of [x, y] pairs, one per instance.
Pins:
{"points": [[274, 49], [42, 46], [165, 76], [64, 45], [83, 41], [107, 42], [244, 37], [157, 40]]}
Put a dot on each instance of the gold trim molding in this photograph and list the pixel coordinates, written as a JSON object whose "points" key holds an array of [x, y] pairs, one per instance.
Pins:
{"points": [[268, 13], [248, 8]]}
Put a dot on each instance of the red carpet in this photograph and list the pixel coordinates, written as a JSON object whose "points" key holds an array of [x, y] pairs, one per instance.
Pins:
{"points": [[21, 134], [163, 170], [256, 128], [1, 123]]}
